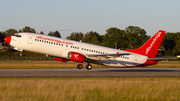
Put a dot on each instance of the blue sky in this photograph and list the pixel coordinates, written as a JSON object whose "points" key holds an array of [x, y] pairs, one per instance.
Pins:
{"points": [[69, 16]]}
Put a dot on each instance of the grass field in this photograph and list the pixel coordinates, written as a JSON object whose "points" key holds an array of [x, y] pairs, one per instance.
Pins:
{"points": [[56, 64], [90, 89], [87, 89]]}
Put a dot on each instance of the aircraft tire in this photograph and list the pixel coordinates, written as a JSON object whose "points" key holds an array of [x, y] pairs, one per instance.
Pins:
{"points": [[88, 67], [79, 66]]}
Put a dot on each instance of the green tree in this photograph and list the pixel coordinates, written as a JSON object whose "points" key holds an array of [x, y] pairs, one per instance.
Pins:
{"points": [[176, 49], [170, 43], [92, 37], [19, 31], [2, 36], [114, 35], [50, 33], [41, 32], [10, 32], [136, 36], [170, 39], [28, 29], [77, 36], [56, 34]]}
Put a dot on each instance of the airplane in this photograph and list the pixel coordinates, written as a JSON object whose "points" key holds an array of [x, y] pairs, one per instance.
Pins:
{"points": [[68, 50]]}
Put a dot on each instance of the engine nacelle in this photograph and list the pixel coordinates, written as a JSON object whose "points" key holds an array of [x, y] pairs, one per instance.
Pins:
{"points": [[73, 56], [59, 59]]}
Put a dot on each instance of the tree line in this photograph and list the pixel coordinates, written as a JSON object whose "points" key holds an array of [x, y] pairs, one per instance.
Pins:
{"points": [[12, 31], [128, 38]]}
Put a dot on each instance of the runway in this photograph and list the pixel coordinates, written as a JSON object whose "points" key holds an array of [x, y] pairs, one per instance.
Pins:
{"points": [[95, 72]]}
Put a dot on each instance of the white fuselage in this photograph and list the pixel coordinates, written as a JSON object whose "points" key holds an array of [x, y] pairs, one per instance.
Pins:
{"points": [[60, 47]]}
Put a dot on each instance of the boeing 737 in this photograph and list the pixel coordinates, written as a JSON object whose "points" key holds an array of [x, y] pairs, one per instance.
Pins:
{"points": [[67, 50]]}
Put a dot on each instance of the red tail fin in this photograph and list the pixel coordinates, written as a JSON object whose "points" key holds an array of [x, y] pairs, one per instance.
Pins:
{"points": [[150, 48]]}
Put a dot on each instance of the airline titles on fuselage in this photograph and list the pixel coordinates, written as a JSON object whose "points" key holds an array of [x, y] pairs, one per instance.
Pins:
{"points": [[57, 41]]}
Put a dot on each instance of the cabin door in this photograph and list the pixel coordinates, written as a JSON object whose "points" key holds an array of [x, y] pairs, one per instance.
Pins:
{"points": [[30, 39]]}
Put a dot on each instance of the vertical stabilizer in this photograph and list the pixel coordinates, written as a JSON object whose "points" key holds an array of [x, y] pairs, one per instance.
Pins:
{"points": [[150, 48]]}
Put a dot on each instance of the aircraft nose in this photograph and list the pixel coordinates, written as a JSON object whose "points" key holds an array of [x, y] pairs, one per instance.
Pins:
{"points": [[8, 39]]}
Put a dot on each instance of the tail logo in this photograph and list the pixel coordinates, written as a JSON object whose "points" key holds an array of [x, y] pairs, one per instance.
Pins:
{"points": [[153, 42]]}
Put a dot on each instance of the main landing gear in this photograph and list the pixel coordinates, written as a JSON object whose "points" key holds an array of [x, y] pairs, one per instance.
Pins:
{"points": [[79, 66], [88, 66]]}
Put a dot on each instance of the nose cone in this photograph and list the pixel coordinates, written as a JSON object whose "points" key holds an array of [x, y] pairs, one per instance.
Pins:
{"points": [[8, 39]]}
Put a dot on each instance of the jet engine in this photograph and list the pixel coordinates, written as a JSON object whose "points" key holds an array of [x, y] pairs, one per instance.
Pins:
{"points": [[73, 56]]}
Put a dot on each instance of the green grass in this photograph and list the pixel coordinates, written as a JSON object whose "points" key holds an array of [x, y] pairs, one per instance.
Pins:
{"points": [[90, 89]]}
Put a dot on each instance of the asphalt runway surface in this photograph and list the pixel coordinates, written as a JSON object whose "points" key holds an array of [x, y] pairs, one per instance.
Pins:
{"points": [[95, 72]]}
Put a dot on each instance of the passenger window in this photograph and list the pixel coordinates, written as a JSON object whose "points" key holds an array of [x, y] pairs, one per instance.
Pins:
{"points": [[40, 40], [66, 45]]}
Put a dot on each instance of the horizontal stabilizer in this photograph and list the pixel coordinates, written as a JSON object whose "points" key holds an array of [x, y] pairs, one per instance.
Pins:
{"points": [[161, 58]]}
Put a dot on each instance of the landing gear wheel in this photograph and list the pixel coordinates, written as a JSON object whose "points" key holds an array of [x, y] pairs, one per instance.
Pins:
{"points": [[79, 66], [88, 67], [20, 54]]}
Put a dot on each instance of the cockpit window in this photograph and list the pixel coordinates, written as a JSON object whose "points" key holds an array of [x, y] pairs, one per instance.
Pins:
{"points": [[17, 35]]}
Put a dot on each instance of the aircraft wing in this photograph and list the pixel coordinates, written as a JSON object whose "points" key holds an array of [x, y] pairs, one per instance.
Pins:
{"points": [[161, 58], [104, 56]]}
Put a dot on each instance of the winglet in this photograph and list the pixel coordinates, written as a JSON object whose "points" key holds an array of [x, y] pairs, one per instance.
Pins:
{"points": [[150, 48]]}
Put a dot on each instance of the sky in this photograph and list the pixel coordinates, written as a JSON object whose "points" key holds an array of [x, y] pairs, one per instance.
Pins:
{"points": [[69, 16]]}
